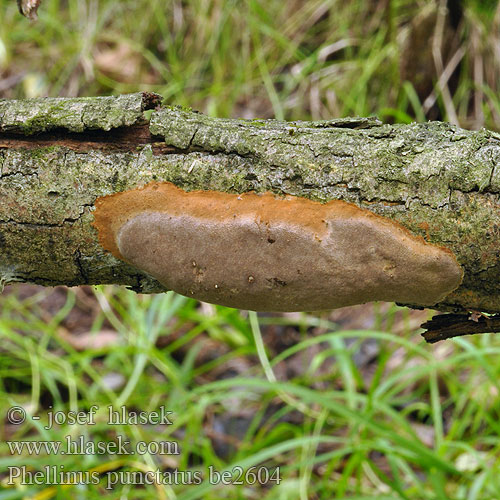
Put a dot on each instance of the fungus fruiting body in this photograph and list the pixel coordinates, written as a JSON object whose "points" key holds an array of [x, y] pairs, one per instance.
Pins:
{"points": [[266, 253]]}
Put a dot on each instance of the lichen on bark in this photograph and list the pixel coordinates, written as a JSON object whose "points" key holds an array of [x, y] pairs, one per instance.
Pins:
{"points": [[439, 181], [32, 116]]}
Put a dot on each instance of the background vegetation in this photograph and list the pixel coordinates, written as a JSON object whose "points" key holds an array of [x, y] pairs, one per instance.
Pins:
{"points": [[350, 403]]}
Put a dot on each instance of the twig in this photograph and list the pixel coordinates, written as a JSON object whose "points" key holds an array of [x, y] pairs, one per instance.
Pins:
{"points": [[447, 326]]}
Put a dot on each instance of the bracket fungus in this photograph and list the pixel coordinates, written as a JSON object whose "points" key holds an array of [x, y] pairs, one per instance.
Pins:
{"points": [[266, 253]]}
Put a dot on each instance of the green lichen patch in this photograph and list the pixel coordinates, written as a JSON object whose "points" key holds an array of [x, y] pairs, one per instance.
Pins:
{"points": [[32, 116]]}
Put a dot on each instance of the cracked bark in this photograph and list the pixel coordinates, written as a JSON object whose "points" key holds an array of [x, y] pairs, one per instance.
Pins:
{"points": [[58, 155]]}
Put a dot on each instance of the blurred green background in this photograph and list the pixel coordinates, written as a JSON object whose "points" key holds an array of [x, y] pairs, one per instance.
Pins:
{"points": [[346, 404]]}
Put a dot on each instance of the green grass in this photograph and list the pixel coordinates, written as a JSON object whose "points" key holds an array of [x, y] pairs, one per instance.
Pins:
{"points": [[294, 60], [413, 422], [423, 425]]}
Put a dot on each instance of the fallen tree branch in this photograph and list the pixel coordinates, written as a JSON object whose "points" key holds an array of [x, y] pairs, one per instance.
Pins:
{"points": [[57, 156]]}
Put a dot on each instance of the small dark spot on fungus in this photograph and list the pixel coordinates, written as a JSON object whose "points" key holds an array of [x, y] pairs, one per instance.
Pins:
{"points": [[323, 256], [276, 282]]}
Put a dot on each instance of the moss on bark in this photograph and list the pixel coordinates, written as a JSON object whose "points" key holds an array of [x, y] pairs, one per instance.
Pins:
{"points": [[439, 181]]}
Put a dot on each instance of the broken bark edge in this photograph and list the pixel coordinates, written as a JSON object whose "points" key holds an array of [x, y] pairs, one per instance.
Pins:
{"points": [[447, 326], [30, 117]]}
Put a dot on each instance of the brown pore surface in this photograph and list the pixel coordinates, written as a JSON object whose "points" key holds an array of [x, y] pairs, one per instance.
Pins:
{"points": [[266, 253]]}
